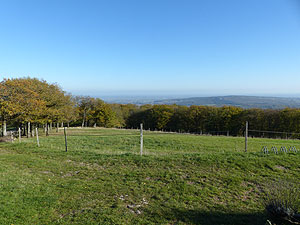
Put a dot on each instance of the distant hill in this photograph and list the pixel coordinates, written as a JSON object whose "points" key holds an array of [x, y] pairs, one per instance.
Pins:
{"points": [[239, 101]]}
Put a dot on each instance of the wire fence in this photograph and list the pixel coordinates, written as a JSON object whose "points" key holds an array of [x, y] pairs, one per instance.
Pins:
{"points": [[273, 142], [120, 141]]}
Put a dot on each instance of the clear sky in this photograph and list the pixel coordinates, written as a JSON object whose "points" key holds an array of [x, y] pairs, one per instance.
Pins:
{"points": [[146, 47]]}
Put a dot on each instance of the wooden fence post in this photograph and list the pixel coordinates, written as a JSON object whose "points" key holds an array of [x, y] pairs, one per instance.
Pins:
{"points": [[37, 136], [66, 143], [141, 130], [246, 137], [19, 131]]}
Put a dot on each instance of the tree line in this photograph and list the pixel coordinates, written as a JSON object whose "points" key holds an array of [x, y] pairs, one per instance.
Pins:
{"points": [[218, 120], [29, 102]]}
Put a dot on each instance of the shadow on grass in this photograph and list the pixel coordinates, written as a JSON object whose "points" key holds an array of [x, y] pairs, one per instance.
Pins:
{"points": [[213, 218]]}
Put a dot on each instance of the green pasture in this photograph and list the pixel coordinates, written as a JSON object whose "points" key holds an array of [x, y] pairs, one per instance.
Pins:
{"points": [[102, 179]]}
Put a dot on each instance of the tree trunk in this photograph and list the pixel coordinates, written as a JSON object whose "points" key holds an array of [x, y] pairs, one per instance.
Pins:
{"points": [[28, 130], [32, 132], [83, 120], [57, 125], [47, 130], [4, 132]]}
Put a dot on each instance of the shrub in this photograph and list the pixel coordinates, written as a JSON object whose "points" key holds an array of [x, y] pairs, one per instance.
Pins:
{"points": [[282, 201]]}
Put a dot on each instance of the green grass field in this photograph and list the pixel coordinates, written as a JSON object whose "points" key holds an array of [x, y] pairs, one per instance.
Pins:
{"points": [[102, 179]]}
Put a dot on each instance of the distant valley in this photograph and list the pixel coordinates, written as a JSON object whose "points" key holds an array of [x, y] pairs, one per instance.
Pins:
{"points": [[232, 100]]}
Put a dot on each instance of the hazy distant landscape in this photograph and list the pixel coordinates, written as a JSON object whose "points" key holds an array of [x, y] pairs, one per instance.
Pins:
{"points": [[218, 101]]}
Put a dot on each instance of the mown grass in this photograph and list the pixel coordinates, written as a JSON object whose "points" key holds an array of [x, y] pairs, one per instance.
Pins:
{"points": [[102, 179]]}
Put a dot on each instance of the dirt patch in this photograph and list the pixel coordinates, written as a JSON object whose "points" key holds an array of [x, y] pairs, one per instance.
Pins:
{"points": [[280, 167], [47, 172], [70, 174], [5, 139]]}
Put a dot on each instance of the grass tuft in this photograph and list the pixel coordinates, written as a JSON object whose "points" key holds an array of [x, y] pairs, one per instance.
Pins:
{"points": [[282, 200]]}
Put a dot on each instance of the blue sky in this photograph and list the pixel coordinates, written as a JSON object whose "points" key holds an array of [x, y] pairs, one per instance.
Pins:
{"points": [[154, 47]]}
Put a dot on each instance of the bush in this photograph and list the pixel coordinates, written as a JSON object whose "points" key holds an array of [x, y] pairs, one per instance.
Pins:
{"points": [[282, 201]]}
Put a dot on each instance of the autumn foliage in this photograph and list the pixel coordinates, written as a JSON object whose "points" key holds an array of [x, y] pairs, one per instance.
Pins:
{"points": [[34, 101]]}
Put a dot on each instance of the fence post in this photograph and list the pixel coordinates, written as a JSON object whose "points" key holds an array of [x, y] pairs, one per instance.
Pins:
{"points": [[19, 131], [246, 137], [37, 136], [141, 130], [66, 139]]}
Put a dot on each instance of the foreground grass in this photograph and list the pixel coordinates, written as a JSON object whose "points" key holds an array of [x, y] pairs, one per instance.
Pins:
{"points": [[181, 179]]}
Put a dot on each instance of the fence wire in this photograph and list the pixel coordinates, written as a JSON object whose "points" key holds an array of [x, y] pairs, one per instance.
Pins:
{"points": [[121, 141]]}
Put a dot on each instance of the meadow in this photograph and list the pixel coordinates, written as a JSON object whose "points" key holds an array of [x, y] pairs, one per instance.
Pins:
{"points": [[102, 179]]}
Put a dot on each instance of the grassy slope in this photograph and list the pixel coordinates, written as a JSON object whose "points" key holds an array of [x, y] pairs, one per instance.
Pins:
{"points": [[182, 179]]}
